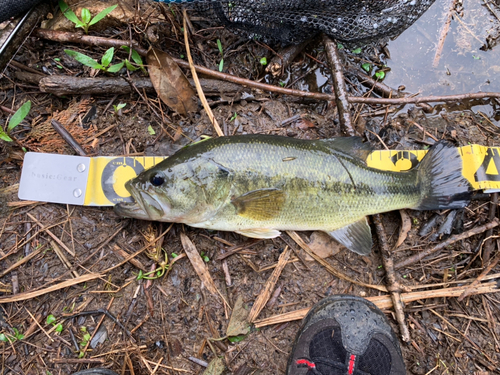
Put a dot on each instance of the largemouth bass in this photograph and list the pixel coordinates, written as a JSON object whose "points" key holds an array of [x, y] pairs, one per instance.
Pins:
{"points": [[257, 185]]}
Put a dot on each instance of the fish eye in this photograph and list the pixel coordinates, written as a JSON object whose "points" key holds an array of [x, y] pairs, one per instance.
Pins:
{"points": [[157, 180]]}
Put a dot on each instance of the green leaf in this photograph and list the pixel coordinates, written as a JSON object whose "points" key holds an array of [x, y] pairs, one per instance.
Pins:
{"points": [[219, 45], [59, 328], [151, 131], [19, 116], [115, 68], [3, 337], [69, 14], [51, 319], [130, 66], [380, 74], [84, 59], [107, 57], [340, 46], [17, 334], [221, 65], [263, 61], [357, 51], [136, 57], [233, 117], [102, 14], [86, 16], [237, 338], [366, 66], [119, 106]]}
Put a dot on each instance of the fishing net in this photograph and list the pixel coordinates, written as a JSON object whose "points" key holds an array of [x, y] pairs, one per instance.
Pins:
{"points": [[293, 21]]}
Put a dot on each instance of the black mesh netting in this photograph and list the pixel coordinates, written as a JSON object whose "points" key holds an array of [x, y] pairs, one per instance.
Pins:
{"points": [[292, 21]]}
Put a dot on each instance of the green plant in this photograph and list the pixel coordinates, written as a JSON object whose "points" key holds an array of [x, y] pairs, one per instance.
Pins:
{"points": [[151, 131], [366, 67], [221, 63], [204, 256], [136, 58], [15, 120], [51, 320], [105, 60], [263, 61], [357, 51], [87, 19], [5, 337], [234, 117], [85, 340], [118, 108], [380, 75]]}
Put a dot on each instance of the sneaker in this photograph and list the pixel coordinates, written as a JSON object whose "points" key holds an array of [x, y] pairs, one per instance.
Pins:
{"points": [[345, 335]]}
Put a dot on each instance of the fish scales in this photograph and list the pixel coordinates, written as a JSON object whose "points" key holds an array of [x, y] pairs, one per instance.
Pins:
{"points": [[257, 185], [319, 192]]}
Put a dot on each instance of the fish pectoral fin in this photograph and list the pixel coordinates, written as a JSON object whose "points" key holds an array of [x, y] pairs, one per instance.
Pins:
{"points": [[260, 233], [356, 237], [262, 204]]}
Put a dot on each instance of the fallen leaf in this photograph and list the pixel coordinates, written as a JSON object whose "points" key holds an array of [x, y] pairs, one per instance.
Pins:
{"points": [[170, 83], [198, 264], [322, 245], [238, 324], [405, 227], [215, 367]]}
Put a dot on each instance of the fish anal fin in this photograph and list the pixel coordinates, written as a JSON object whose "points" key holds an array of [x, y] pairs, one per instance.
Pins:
{"points": [[356, 237], [260, 233], [262, 204]]}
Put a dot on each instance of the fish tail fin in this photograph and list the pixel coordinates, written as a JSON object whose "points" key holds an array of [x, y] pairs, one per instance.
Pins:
{"points": [[440, 176]]}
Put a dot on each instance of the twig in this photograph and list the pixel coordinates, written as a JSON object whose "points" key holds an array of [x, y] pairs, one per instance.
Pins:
{"points": [[62, 285], [328, 266], [421, 255], [385, 302], [203, 99], [59, 128], [481, 276], [339, 85], [394, 287], [264, 295], [51, 234], [489, 244], [444, 33], [63, 258], [73, 37], [284, 58], [22, 261]]}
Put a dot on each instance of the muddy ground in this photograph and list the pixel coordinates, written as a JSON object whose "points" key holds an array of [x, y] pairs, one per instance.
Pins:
{"points": [[174, 317]]}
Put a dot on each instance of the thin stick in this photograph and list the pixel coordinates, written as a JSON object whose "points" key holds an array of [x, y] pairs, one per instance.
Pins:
{"points": [[328, 266], [421, 255], [339, 85], [444, 33], [204, 102], [481, 276], [385, 302], [61, 130], [264, 295], [73, 37], [63, 258], [53, 288], [394, 285], [51, 234]]}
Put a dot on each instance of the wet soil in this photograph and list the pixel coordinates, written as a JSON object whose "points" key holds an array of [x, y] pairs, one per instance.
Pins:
{"points": [[174, 317]]}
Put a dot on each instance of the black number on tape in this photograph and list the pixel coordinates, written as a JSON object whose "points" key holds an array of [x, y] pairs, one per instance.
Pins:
{"points": [[108, 177]]}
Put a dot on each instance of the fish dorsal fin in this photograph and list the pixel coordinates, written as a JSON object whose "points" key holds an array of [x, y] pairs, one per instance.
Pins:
{"points": [[260, 233], [261, 204], [349, 145], [356, 237]]}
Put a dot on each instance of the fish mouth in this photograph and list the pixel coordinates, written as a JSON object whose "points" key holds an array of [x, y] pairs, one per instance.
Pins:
{"points": [[144, 206]]}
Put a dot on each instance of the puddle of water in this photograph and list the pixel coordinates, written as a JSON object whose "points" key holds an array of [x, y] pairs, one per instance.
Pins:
{"points": [[462, 68]]}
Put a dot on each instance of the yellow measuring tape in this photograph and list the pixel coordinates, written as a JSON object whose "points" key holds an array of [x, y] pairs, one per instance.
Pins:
{"points": [[107, 175]]}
